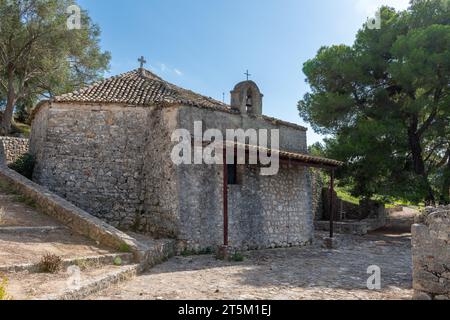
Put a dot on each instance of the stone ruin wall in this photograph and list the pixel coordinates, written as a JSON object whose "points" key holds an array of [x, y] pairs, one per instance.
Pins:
{"points": [[431, 255], [12, 149]]}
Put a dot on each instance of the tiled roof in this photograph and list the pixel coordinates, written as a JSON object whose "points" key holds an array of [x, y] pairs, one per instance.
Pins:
{"points": [[283, 154], [140, 88]]}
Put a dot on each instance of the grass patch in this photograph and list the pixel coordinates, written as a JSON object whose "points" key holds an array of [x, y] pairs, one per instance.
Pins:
{"points": [[237, 257], [25, 200], [389, 203], [6, 187], [24, 129], [346, 196]]}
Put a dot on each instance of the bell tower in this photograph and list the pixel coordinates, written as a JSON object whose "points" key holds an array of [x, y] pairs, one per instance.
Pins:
{"points": [[247, 99]]}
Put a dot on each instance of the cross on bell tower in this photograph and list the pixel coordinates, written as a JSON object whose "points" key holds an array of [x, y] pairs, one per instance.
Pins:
{"points": [[247, 74], [142, 62]]}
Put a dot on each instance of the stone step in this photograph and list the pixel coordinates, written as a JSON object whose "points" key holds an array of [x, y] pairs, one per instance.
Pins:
{"points": [[30, 230], [97, 284], [67, 285], [82, 262]]}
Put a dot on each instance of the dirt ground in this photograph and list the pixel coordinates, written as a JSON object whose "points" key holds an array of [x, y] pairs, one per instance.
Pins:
{"points": [[294, 274], [28, 286], [26, 246]]}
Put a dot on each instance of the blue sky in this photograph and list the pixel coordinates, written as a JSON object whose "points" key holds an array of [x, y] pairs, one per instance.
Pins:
{"points": [[207, 45]]}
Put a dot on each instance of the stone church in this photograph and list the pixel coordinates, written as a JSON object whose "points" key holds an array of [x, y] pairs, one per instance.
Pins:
{"points": [[107, 149]]}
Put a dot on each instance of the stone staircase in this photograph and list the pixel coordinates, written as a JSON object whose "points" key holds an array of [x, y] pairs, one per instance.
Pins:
{"points": [[27, 234]]}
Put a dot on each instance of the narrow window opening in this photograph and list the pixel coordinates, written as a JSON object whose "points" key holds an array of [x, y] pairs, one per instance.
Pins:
{"points": [[232, 174]]}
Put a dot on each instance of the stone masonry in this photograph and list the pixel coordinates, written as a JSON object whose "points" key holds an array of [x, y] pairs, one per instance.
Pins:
{"points": [[431, 255], [107, 149], [12, 148]]}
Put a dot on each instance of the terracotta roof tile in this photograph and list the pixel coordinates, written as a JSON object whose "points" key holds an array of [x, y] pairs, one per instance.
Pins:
{"points": [[140, 88]]}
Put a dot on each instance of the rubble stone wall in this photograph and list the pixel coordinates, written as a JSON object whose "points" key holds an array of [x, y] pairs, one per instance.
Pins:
{"points": [[12, 148], [431, 255]]}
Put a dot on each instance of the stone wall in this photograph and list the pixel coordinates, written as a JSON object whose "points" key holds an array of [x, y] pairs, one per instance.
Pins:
{"points": [[114, 162], [264, 211], [343, 210], [12, 148], [431, 255], [317, 185], [271, 211], [76, 219], [108, 160], [291, 139]]}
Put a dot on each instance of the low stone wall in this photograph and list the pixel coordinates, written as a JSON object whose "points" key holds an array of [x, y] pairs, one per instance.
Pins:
{"points": [[346, 211], [317, 185], [431, 255], [12, 148], [71, 216]]}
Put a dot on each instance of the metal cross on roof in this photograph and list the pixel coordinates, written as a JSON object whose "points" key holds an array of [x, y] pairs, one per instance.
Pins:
{"points": [[247, 74], [142, 61]]}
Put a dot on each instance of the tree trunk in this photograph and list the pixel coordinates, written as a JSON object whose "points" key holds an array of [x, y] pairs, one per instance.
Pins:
{"points": [[10, 103], [419, 163], [445, 191]]}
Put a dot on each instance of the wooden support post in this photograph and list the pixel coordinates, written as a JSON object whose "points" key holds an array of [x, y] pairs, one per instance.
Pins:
{"points": [[332, 204], [225, 199]]}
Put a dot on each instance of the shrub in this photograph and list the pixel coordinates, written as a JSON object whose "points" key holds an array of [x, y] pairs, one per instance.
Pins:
{"points": [[124, 248], [50, 263], [3, 285], [237, 257], [24, 165]]}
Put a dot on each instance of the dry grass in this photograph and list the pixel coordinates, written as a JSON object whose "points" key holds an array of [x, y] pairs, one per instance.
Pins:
{"points": [[2, 215], [3, 285], [50, 263]]}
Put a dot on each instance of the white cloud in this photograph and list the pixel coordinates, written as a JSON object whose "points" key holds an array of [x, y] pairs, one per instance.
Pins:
{"points": [[164, 68], [369, 7]]}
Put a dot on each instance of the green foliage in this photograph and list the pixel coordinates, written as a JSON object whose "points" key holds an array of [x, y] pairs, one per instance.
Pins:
{"points": [[41, 57], [25, 129], [24, 165], [3, 286], [50, 263], [237, 257], [346, 196], [124, 248], [187, 253], [118, 261], [385, 102]]}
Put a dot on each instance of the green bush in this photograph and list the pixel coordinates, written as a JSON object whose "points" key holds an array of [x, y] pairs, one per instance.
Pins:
{"points": [[24, 165]]}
